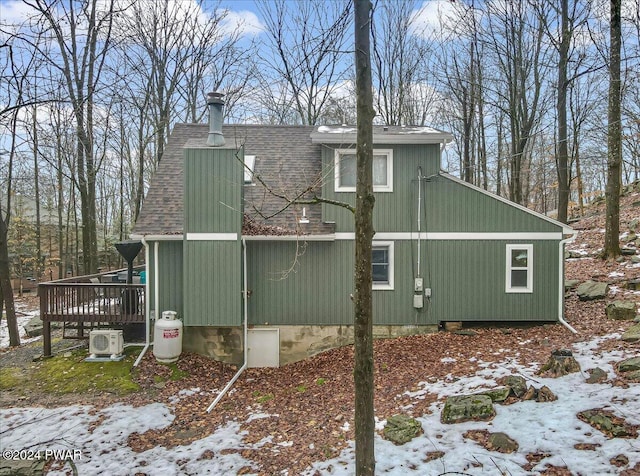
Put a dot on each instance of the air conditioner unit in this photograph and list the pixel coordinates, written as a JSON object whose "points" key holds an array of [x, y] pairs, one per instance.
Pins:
{"points": [[106, 342]]}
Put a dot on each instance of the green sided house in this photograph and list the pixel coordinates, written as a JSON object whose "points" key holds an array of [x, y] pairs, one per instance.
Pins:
{"points": [[227, 246]]}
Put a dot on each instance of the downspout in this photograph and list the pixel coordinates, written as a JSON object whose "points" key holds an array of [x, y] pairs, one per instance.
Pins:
{"points": [[147, 304], [245, 312], [561, 281]]}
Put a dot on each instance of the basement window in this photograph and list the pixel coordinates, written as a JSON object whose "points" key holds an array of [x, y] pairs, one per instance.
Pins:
{"points": [[519, 278], [382, 265], [345, 170]]}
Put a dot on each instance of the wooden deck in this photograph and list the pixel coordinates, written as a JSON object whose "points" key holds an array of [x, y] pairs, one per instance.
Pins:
{"points": [[85, 299]]}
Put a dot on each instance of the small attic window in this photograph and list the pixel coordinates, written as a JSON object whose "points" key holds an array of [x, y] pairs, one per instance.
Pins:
{"points": [[249, 164]]}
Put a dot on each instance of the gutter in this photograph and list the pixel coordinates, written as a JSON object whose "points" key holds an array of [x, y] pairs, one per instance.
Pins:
{"points": [[245, 311], [573, 236], [147, 305]]}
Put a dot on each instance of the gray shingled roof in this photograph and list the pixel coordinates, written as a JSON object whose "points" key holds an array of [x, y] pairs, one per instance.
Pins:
{"points": [[286, 160]]}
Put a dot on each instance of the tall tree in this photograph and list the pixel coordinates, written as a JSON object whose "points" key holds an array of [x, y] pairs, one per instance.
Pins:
{"points": [[403, 94], [614, 138], [562, 154], [82, 34], [307, 40], [363, 308], [15, 67], [516, 39]]}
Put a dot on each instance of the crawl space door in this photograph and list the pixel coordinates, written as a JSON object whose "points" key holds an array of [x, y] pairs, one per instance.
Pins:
{"points": [[264, 348]]}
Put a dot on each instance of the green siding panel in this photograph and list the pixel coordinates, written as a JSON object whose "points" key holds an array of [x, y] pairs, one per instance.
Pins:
{"points": [[447, 206], [212, 283], [394, 211], [453, 207], [170, 295], [213, 188], [468, 282], [312, 285]]}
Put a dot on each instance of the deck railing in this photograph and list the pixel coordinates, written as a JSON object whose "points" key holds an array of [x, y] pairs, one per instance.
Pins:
{"points": [[85, 299]]}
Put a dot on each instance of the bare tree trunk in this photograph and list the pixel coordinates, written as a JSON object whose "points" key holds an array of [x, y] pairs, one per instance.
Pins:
{"points": [[363, 309], [5, 287], [579, 177], [36, 180], [614, 140], [562, 148], [5, 274]]}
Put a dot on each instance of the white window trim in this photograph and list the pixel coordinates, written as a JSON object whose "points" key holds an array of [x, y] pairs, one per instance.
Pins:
{"points": [[529, 287], [385, 286], [376, 188]]}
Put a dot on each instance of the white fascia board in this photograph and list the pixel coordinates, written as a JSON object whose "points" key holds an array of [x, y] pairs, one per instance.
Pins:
{"points": [[566, 229], [178, 237], [435, 138], [480, 236], [212, 237], [330, 237]]}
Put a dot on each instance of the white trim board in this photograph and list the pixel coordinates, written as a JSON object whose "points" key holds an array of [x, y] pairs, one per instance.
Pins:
{"points": [[212, 237], [457, 236]]}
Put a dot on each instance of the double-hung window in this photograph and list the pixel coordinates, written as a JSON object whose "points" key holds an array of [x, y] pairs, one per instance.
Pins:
{"points": [[519, 278], [382, 265], [345, 170]]}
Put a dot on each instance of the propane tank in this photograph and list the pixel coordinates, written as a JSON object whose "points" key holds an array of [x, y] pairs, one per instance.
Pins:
{"points": [[167, 337]]}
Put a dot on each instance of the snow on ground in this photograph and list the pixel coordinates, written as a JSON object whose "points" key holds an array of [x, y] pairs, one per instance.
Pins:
{"points": [[23, 315], [550, 427]]}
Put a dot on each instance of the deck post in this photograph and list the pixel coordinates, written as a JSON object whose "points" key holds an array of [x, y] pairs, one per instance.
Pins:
{"points": [[46, 338]]}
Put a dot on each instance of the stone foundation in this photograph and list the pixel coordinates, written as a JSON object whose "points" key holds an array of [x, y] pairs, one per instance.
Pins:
{"points": [[296, 342]]}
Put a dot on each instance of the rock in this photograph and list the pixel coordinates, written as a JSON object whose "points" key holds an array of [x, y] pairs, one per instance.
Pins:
{"points": [[608, 423], [570, 284], [632, 334], [634, 375], [619, 461], [629, 365], [497, 395], [560, 363], [517, 384], [590, 290], [631, 237], [626, 251], [634, 284], [401, 429], [453, 326], [621, 310], [502, 443], [530, 394], [634, 225], [33, 328], [461, 408], [635, 258], [596, 375], [546, 395]]}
